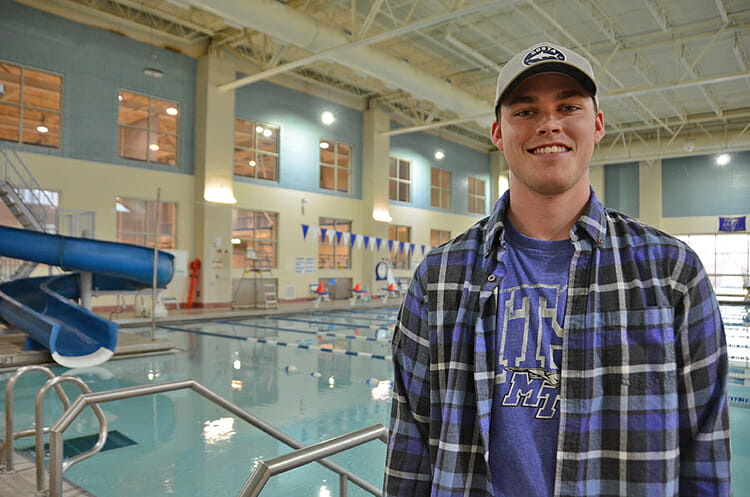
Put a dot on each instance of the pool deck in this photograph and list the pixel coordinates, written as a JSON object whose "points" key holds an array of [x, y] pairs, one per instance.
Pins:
{"points": [[22, 481]]}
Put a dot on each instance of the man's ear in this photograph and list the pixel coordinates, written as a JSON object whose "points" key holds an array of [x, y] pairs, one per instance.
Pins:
{"points": [[497, 135], [599, 127]]}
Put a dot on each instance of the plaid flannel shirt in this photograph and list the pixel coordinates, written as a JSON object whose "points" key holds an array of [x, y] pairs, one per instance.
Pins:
{"points": [[643, 404]]}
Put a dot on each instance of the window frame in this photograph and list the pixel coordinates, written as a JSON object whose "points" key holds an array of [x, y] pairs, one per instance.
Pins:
{"points": [[324, 222], [256, 150], [240, 249], [442, 237], [440, 188], [398, 260], [335, 166], [150, 216], [149, 130], [712, 262], [21, 106], [477, 199], [397, 181]]}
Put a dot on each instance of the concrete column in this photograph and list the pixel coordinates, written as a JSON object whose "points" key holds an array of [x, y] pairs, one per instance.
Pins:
{"points": [[649, 186], [214, 167], [498, 176], [375, 154]]}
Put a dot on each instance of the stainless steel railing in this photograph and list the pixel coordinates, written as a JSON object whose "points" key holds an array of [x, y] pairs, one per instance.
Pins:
{"points": [[56, 468], [300, 457]]}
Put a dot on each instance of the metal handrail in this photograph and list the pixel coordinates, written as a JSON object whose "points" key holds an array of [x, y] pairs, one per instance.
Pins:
{"points": [[70, 414], [24, 179], [300, 457], [39, 411], [7, 446]]}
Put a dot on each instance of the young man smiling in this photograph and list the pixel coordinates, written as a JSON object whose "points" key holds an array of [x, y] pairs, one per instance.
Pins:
{"points": [[557, 347]]}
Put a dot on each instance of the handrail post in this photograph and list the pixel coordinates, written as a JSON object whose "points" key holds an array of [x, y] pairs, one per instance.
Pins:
{"points": [[342, 485], [7, 445]]}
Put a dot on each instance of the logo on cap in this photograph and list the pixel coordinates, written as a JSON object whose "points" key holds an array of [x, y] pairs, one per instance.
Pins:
{"points": [[540, 54]]}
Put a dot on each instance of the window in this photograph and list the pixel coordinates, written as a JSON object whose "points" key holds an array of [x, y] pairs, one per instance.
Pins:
{"points": [[399, 180], [30, 108], [438, 237], [440, 182], [258, 231], [726, 258], [256, 150], [335, 166], [136, 221], [476, 196], [334, 256], [400, 260], [148, 128]]}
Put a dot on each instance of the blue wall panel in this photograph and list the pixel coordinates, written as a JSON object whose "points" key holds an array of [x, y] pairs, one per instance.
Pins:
{"points": [[697, 186], [462, 162], [621, 191], [95, 65], [298, 115]]}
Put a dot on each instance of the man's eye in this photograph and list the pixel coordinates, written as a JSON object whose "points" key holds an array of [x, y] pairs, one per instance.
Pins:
{"points": [[523, 113], [570, 108]]}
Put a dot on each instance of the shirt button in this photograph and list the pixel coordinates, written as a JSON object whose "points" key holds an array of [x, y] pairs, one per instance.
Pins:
{"points": [[491, 278]]}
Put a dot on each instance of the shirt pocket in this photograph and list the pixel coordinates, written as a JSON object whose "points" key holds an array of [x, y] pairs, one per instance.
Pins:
{"points": [[636, 351]]}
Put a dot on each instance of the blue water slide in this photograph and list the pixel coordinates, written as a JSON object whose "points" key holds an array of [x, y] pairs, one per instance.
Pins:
{"points": [[45, 308]]}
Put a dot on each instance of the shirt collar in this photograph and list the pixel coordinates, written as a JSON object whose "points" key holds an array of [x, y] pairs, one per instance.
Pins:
{"points": [[593, 221]]}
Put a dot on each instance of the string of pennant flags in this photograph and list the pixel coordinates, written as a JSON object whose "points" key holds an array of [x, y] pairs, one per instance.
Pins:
{"points": [[355, 240]]}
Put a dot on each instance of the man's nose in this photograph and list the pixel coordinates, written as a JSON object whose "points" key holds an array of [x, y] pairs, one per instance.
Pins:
{"points": [[549, 124]]}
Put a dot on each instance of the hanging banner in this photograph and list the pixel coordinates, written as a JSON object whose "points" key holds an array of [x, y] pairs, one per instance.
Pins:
{"points": [[377, 241], [305, 227], [411, 248], [367, 240], [732, 223], [338, 237], [331, 236], [422, 250], [390, 245], [347, 239], [323, 234], [401, 247], [353, 239]]}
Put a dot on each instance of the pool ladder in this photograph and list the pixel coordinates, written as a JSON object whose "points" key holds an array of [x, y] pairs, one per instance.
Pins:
{"points": [[263, 471]]}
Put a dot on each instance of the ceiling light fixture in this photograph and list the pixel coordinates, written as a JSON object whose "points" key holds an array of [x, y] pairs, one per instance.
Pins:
{"points": [[153, 72], [172, 111], [327, 117], [259, 129], [439, 155], [723, 159], [153, 147], [252, 163], [42, 128], [267, 132], [324, 145]]}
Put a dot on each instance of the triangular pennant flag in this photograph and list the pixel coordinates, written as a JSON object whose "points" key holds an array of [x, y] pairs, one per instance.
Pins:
{"points": [[323, 233], [390, 245], [331, 234], [314, 232], [305, 227], [422, 250], [367, 241], [359, 241], [377, 241], [347, 239], [338, 237], [411, 248], [354, 239], [401, 247]]}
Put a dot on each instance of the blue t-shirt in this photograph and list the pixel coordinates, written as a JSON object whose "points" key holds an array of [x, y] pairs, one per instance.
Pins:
{"points": [[531, 311]]}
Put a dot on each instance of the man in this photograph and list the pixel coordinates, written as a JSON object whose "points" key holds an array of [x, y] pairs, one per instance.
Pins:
{"points": [[557, 347]]}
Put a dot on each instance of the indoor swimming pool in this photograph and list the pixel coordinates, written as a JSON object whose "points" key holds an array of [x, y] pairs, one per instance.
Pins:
{"points": [[312, 375]]}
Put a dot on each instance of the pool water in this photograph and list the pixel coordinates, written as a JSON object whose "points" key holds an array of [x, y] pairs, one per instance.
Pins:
{"points": [[187, 446]]}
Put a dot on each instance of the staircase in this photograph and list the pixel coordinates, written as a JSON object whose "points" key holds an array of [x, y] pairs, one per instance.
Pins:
{"points": [[33, 208]]}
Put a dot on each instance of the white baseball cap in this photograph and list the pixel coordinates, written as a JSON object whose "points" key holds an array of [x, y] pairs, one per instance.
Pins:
{"points": [[544, 58]]}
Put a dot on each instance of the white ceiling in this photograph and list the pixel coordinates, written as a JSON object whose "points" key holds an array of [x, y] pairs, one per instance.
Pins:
{"points": [[666, 68]]}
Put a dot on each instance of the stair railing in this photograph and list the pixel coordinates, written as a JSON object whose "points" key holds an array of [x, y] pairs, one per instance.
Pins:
{"points": [[28, 188], [56, 466]]}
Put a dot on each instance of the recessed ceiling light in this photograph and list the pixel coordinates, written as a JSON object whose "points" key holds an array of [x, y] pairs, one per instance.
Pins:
{"points": [[327, 117]]}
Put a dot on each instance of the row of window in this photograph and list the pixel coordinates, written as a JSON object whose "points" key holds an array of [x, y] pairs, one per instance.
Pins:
{"points": [[149, 131], [399, 187], [254, 235]]}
